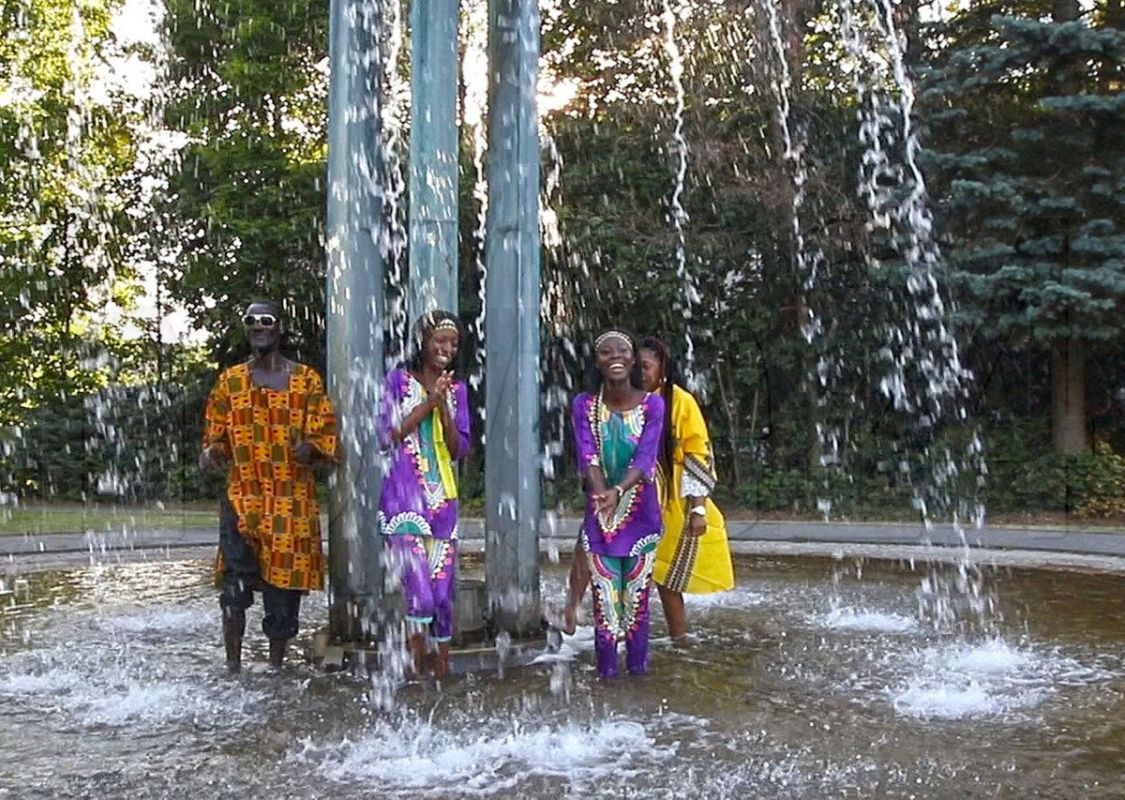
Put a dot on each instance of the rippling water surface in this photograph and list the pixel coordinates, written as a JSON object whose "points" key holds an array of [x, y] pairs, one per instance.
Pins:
{"points": [[814, 678]]}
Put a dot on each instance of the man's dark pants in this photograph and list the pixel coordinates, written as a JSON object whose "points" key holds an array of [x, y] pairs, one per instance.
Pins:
{"points": [[241, 576]]}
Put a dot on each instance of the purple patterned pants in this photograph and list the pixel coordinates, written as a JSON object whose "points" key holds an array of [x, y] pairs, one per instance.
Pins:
{"points": [[621, 587], [428, 571]]}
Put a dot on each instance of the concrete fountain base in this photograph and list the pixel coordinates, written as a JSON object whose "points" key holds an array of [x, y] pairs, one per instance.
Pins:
{"points": [[476, 647]]}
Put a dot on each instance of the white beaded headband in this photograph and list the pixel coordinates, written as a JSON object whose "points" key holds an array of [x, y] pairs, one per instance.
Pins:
{"points": [[614, 335], [443, 324]]}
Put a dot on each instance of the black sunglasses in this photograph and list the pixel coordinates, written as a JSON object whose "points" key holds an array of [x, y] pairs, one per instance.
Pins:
{"points": [[261, 320]]}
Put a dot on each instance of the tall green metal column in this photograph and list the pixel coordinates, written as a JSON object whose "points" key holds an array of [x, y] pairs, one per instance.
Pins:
{"points": [[355, 226], [513, 454], [433, 156]]}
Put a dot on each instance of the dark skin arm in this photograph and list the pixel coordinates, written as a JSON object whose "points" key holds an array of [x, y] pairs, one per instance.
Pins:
{"points": [[697, 523], [308, 453], [213, 457]]}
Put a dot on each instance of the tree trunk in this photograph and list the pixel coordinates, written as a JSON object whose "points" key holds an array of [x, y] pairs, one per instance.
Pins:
{"points": [[909, 22], [1068, 397], [730, 408], [1068, 356], [1064, 10]]}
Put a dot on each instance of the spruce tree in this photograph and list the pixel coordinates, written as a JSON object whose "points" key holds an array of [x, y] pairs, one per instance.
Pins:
{"points": [[1025, 119]]}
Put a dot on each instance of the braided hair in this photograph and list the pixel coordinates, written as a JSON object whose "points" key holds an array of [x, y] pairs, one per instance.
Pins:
{"points": [[671, 378]]}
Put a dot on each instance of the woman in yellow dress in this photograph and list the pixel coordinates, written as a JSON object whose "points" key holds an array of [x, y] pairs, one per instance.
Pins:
{"points": [[693, 555]]}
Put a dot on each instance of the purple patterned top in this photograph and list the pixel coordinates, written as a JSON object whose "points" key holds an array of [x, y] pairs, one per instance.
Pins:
{"points": [[419, 496], [615, 441]]}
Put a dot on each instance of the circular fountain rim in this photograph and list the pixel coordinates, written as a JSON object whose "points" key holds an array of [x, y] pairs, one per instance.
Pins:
{"points": [[1050, 560], [982, 555]]}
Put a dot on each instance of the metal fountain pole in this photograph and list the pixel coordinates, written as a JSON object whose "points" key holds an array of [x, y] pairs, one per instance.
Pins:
{"points": [[356, 229], [433, 156], [512, 457]]}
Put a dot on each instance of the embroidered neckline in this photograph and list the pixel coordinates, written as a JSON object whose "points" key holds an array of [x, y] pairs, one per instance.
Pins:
{"points": [[436, 498], [627, 504]]}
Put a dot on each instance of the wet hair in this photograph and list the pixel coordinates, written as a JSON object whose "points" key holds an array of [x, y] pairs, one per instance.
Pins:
{"points": [[672, 378], [423, 327], [594, 378]]}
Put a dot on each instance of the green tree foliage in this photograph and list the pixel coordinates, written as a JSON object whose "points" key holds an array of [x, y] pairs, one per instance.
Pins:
{"points": [[77, 171], [66, 186], [1022, 116], [617, 260], [1025, 115], [248, 196]]}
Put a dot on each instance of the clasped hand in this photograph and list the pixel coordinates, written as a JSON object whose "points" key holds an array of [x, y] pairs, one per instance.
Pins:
{"points": [[605, 503], [441, 388]]}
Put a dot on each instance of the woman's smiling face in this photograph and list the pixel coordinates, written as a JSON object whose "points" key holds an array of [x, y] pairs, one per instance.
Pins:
{"points": [[614, 359], [440, 348]]}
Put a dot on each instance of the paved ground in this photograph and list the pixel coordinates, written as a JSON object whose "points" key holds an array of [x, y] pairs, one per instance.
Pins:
{"points": [[1058, 540]]}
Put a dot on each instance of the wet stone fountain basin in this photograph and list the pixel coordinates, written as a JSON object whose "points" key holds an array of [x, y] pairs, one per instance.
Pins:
{"points": [[814, 678]]}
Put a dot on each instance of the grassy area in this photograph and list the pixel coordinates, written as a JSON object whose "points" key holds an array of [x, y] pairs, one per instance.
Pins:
{"points": [[66, 518]]}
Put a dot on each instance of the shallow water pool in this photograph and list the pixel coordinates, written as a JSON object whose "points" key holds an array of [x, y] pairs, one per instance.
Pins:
{"points": [[814, 678]]}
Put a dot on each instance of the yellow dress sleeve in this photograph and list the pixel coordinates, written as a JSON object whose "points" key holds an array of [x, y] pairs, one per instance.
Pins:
{"points": [[694, 445], [217, 416], [320, 418]]}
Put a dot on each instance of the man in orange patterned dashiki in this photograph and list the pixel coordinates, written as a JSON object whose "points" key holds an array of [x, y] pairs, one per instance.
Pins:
{"points": [[271, 420]]}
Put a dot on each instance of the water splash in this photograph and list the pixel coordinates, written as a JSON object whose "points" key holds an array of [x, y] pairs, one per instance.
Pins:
{"points": [[474, 112], [688, 297], [924, 377], [850, 618], [991, 678], [417, 756], [393, 148], [809, 258]]}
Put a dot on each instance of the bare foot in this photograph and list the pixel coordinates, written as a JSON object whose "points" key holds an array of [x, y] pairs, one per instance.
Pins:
{"points": [[570, 620]]}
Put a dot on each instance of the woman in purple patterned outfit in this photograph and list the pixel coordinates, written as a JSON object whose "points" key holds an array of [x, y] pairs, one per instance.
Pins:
{"points": [[618, 428], [426, 413]]}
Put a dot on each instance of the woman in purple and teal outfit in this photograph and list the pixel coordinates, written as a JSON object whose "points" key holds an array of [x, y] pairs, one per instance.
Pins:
{"points": [[426, 413], [618, 429]]}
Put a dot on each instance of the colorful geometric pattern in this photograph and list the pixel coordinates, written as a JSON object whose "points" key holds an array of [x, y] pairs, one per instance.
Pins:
{"points": [[422, 445], [699, 475], [620, 591], [605, 423], [683, 561], [439, 555], [408, 523], [273, 495]]}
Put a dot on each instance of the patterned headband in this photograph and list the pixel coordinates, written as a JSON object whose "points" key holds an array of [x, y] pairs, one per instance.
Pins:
{"points": [[443, 324], [614, 335]]}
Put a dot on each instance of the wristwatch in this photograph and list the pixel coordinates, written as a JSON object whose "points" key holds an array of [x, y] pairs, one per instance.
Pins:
{"points": [[701, 510]]}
